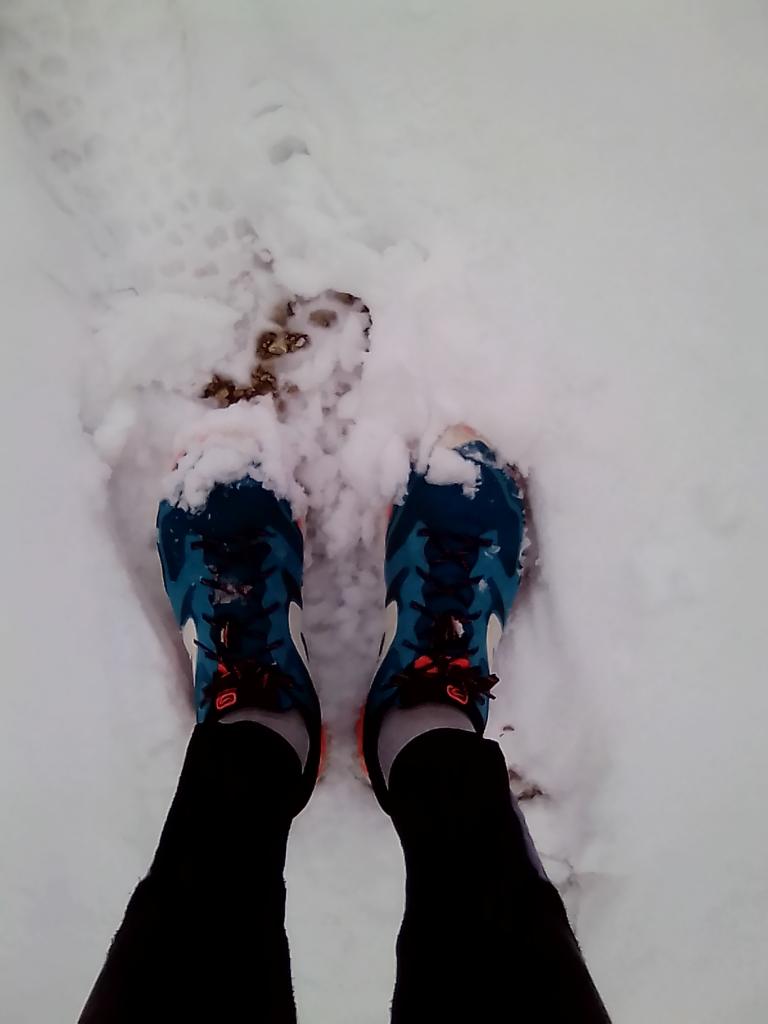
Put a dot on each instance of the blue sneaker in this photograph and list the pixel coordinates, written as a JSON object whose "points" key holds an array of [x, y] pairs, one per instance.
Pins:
{"points": [[453, 567], [233, 572]]}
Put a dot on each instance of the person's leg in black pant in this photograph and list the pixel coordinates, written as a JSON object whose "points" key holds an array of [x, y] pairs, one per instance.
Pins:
{"points": [[203, 938], [485, 936]]}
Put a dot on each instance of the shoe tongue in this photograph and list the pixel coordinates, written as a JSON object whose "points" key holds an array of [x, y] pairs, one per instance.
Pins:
{"points": [[237, 509], [242, 635], [447, 507], [450, 608]]}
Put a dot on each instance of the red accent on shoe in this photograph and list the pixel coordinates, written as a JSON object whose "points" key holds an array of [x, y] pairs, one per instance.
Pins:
{"points": [[423, 661], [460, 662], [456, 694], [226, 699]]}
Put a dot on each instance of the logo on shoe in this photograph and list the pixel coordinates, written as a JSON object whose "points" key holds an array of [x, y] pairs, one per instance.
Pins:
{"points": [[460, 696], [295, 628], [189, 636], [226, 699], [390, 632], [492, 639]]}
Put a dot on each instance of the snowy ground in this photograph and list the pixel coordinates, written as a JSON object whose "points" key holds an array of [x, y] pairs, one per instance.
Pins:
{"points": [[557, 215]]}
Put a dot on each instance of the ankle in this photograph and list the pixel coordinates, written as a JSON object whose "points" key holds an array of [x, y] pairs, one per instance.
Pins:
{"points": [[288, 724], [401, 726]]}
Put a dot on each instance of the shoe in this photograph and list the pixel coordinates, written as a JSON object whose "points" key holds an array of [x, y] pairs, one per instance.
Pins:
{"points": [[233, 572], [452, 570]]}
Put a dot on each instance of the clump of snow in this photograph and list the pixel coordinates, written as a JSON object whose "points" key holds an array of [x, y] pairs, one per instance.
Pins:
{"points": [[447, 466], [225, 445]]}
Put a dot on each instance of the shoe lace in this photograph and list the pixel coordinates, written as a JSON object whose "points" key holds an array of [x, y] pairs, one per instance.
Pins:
{"points": [[448, 580], [241, 648]]}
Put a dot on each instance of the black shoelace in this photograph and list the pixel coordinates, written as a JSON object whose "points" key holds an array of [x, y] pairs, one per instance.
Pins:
{"points": [[250, 678], [447, 668]]}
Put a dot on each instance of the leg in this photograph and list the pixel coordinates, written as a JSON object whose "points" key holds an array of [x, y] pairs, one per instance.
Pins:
{"points": [[203, 937], [485, 935]]}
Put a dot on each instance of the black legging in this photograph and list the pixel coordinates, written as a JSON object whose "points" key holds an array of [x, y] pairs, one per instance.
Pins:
{"points": [[485, 937]]}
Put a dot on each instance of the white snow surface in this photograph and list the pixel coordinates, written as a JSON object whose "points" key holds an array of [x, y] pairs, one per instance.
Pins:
{"points": [[557, 215]]}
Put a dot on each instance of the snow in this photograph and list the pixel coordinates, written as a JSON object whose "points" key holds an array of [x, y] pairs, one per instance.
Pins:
{"points": [[224, 445], [447, 466], [556, 214]]}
